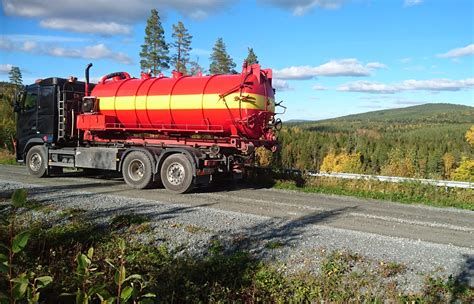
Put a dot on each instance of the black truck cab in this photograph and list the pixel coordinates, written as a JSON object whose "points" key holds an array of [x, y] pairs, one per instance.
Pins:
{"points": [[46, 113]]}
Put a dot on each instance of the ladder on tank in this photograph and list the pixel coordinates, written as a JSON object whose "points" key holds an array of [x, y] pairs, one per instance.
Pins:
{"points": [[61, 116]]}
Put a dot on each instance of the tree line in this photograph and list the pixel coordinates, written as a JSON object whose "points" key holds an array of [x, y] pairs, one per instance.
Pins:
{"points": [[440, 151], [155, 51], [7, 116]]}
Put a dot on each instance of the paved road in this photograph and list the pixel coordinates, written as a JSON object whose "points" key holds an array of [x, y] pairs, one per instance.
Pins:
{"points": [[436, 225], [424, 238]]}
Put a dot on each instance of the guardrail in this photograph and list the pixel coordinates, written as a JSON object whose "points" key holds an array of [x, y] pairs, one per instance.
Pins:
{"points": [[396, 179]]}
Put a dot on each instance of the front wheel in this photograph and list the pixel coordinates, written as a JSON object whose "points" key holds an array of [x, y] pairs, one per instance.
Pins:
{"points": [[137, 170], [36, 162], [177, 174]]}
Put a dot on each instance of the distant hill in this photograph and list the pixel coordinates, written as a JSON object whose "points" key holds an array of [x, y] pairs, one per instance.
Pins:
{"points": [[293, 121], [430, 112], [421, 141]]}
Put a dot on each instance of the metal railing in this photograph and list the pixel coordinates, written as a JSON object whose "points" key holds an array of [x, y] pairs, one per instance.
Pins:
{"points": [[395, 179]]}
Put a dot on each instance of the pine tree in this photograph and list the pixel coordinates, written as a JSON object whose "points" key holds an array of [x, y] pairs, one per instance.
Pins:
{"points": [[195, 67], [251, 57], [221, 63], [15, 76], [182, 46], [155, 50]]}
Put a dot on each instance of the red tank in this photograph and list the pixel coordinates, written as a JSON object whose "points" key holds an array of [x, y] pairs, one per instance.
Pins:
{"points": [[240, 105]]}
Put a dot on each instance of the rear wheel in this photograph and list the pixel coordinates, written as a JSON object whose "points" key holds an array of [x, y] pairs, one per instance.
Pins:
{"points": [[137, 170], [36, 161], [177, 174]]}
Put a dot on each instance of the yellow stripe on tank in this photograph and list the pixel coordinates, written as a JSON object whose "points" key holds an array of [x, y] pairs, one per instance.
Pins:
{"points": [[185, 102]]}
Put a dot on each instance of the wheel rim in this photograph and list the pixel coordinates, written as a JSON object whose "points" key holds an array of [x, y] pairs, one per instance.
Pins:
{"points": [[35, 162], [136, 170], [175, 174]]}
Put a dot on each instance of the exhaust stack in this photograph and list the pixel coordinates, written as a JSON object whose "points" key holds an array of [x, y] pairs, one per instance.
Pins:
{"points": [[87, 79]]}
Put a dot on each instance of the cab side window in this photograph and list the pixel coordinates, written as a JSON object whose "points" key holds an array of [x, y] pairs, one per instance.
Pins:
{"points": [[47, 99], [31, 98]]}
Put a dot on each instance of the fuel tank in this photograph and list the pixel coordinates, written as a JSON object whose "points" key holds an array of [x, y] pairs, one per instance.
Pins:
{"points": [[221, 105]]}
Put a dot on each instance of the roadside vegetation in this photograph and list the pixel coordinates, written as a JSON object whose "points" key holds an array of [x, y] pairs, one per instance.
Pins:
{"points": [[7, 122], [427, 141], [64, 257], [7, 157], [407, 193]]}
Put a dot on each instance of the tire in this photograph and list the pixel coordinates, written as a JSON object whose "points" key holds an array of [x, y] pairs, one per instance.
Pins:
{"points": [[177, 174], [36, 162], [137, 170]]}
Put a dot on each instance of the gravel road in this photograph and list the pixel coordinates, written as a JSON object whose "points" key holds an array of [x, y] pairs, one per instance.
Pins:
{"points": [[426, 240]]}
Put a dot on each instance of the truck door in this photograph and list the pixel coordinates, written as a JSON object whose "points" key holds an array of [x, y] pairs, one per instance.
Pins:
{"points": [[27, 120], [46, 122]]}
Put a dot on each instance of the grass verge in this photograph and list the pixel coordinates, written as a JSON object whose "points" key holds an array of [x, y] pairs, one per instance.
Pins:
{"points": [[407, 193], [7, 158], [218, 275]]}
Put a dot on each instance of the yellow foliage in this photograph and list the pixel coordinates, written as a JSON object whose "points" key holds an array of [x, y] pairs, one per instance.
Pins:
{"points": [[470, 135], [343, 162], [329, 162], [263, 157], [400, 164], [465, 171], [449, 163]]}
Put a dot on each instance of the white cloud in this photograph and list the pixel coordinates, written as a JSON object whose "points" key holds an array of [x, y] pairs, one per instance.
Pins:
{"points": [[441, 84], [296, 72], [98, 51], [434, 85], [342, 67], [29, 46], [376, 65], [5, 68], [105, 17], [42, 38], [367, 87], [301, 7], [459, 52], [5, 44], [104, 28], [319, 87], [281, 85], [412, 2]]}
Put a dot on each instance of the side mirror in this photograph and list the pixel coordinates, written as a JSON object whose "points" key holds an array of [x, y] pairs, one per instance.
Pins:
{"points": [[19, 101], [17, 107]]}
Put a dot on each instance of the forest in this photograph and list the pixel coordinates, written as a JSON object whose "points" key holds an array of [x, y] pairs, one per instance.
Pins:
{"points": [[425, 141]]}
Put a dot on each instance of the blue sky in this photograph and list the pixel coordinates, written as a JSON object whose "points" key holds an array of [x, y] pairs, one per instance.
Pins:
{"points": [[330, 57]]}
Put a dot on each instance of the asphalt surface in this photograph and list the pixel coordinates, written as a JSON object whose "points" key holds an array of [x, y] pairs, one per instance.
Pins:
{"points": [[425, 239]]}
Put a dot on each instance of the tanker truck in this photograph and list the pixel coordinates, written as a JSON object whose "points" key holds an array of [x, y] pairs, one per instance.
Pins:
{"points": [[179, 131]]}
